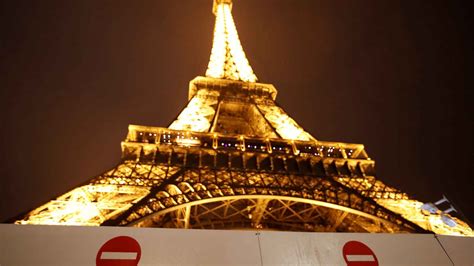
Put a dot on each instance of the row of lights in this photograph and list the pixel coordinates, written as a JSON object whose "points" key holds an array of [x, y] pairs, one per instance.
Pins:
{"points": [[182, 139]]}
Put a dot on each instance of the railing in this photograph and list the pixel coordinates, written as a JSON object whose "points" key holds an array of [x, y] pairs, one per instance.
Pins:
{"points": [[165, 136]]}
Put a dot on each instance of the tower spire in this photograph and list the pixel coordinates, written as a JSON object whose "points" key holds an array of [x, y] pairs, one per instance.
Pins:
{"points": [[227, 59]]}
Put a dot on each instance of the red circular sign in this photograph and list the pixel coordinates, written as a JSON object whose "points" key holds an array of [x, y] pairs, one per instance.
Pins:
{"points": [[119, 251], [359, 254]]}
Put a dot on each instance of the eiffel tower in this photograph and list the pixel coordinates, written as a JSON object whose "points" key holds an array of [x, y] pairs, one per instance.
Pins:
{"points": [[233, 159]]}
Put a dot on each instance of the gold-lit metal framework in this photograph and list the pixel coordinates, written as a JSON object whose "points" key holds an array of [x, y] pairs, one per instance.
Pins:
{"points": [[228, 60], [233, 159]]}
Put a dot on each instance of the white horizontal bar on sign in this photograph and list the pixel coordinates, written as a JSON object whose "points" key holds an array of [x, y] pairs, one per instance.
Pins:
{"points": [[118, 256], [360, 258]]}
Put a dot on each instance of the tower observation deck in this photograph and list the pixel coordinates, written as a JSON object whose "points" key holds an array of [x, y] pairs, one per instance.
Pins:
{"points": [[234, 159]]}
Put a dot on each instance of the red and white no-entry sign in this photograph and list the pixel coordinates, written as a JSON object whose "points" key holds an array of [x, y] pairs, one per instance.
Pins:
{"points": [[119, 251], [359, 254]]}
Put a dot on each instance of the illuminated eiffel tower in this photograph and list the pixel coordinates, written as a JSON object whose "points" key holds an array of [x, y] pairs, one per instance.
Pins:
{"points": [[233, 159]]}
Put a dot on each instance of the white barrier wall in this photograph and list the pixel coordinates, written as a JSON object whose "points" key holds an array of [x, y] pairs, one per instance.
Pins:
{"points": [[459, 249], [105, 246], [67, 245], [328, 249]]}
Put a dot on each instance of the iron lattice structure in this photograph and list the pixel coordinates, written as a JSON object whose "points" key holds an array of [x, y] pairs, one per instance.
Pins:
{"points": [[234, 159]]}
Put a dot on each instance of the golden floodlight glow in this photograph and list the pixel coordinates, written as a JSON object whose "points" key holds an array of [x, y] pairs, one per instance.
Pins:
{"points": [[234, 159], [286, 127], [228, 59], [197, 115], [87, 205], [410, 209]]}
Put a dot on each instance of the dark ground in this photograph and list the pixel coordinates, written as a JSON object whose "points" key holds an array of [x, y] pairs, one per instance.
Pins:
{"points": [[396, 77]]}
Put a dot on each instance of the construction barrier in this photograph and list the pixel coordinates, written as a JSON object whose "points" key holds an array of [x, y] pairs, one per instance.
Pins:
{"points": [[104, 246]]}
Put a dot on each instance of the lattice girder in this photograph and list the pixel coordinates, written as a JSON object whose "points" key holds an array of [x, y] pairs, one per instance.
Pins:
{"points": [[276, 214], [216, 105], [228, 60], [204, 184], [86, 205]]}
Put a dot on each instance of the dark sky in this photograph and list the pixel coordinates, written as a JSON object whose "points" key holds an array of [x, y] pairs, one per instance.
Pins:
{"points": [[393, 75]]}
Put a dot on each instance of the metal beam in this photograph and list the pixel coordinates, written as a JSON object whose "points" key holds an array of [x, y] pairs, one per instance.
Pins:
{"points": [[259, 210]]}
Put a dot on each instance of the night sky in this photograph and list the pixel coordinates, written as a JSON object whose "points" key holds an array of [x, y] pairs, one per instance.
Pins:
{"points": [[393, 75]]}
